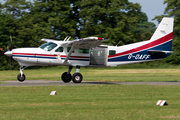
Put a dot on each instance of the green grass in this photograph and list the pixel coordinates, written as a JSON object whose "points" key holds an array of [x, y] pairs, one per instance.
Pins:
{"points": [[100, 102], [98, 74]]}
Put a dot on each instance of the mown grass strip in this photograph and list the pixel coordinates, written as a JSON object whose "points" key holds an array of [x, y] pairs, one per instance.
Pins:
{"points": [[101, 102]]}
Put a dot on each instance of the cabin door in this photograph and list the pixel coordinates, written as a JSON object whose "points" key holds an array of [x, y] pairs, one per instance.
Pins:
{"points": [[98, 56]]}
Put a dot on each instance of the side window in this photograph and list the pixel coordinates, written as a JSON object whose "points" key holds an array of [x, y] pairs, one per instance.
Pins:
{"points": [[60, 49], [68, 49], [84, 51], [112, 52]]}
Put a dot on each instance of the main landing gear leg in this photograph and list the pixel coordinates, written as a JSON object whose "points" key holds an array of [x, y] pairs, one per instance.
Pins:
{"points": [[77, 77], [66, 76], [21, 77]]}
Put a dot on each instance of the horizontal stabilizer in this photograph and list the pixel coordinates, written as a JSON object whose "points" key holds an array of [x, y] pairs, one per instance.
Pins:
{"points": [[157, 54], [158, 51]]}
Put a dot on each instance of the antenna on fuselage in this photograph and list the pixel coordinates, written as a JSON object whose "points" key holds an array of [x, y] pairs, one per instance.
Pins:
{"points": [[118, 43], [68, 38], [65, 38]]}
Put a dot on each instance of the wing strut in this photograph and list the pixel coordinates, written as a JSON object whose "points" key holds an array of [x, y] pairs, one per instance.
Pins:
{"points": [[70, 52]]}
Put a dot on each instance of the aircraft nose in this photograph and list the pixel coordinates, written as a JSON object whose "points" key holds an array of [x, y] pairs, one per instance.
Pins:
{"points": [[8, 53]]}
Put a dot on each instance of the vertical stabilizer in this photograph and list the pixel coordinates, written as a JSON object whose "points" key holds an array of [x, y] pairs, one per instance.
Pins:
{"points": [[165, 27], [162, 37]]}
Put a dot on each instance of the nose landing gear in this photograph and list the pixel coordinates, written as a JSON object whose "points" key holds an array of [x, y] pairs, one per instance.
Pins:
{"points": [[76, 78], [21, 77]]}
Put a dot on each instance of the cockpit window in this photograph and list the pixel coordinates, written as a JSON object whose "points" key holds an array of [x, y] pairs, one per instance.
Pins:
{"points": [[48, 46]]}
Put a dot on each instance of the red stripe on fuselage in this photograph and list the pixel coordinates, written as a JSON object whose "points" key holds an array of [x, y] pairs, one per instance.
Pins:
{"points": [[75, 56], [34, 54], [146, 46], [47, 55]]}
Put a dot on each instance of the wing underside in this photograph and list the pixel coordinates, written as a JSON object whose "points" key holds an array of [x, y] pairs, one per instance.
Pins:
{"points": [[85, 44]]}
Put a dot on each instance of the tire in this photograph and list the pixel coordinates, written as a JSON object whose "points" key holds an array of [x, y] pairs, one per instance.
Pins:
{"points": [[21, 78], [66, 78], [77, 78]]}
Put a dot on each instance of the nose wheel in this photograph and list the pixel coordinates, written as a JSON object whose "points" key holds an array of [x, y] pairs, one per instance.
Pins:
{"points": [[76, 78], [21, 77]]}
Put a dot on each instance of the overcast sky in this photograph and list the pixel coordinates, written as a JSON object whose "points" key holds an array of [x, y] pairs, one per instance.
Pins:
{"points": [[150, 7]]}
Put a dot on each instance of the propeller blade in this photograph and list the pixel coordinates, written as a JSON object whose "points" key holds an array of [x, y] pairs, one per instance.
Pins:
{"points": [[10, 43]]}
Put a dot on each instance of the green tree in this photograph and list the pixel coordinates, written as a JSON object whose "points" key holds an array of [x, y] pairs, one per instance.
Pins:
{"points": [[112, 19], [54, 14], [144, 29], [17, 8], [7, 27]]}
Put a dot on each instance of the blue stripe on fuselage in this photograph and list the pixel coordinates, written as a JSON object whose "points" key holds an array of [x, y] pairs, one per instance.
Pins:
{"points": [[143, 55], [34, 56], [49, 57]]}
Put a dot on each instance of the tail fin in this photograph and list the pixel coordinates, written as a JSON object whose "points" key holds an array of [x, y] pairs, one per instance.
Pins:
{"points": [[163, 35]]}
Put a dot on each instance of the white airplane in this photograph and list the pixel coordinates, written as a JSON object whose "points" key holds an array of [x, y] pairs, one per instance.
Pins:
{"points": [[88, 52]]}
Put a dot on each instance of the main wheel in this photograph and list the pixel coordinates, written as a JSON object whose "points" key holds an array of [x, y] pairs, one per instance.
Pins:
{"points": [[66, 77], [21, 78], [77, 78]]}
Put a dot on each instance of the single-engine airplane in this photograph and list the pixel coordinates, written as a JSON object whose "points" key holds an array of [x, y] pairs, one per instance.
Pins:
{"points": [[88, 52]]}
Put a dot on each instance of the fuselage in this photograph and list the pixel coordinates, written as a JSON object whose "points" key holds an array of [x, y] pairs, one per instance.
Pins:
{"points": [[52, 53]]}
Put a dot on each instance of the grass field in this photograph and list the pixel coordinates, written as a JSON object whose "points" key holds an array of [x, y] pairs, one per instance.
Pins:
{"points": [[96, 102], [97, 74], [91, 102]]}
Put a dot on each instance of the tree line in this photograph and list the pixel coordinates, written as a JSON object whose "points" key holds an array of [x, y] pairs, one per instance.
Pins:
{"points": [[118, 20]]}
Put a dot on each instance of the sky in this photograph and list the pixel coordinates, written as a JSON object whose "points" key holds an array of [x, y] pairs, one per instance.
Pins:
{"points": [[150, 7]]}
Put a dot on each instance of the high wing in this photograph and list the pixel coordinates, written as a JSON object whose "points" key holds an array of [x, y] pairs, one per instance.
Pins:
{"points": [[85, 43]]}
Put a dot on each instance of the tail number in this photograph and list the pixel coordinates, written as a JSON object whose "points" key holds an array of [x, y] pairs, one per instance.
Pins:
{"points": [[138, 56]]}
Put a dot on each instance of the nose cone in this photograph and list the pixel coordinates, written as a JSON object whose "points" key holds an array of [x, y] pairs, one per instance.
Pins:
{"points": [[8, 53]]}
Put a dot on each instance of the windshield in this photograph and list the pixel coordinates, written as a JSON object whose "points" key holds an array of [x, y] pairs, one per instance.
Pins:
{"points": [[48, 46]]}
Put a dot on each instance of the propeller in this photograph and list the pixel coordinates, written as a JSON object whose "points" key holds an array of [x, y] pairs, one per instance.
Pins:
{"points": [[9, 52], [10, 43]]}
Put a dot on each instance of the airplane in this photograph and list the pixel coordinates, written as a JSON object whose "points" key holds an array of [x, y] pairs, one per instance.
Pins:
{"points": [[89, 52]]}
